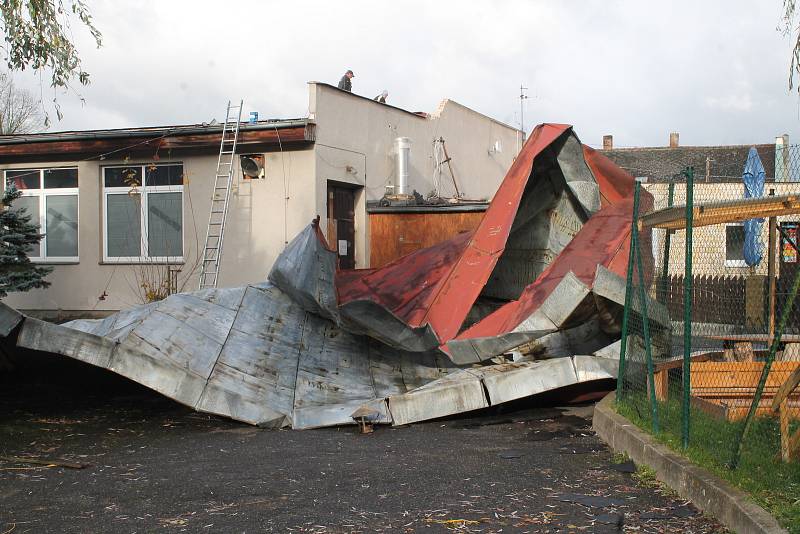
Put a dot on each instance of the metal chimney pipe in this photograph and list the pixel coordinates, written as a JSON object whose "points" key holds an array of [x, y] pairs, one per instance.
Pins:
{"points": [[403, 145], [608, 142]]}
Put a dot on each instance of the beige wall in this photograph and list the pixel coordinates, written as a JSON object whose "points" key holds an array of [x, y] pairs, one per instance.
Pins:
{"points": [[254, 233], [79, 286], [261, 220], [354, 144]]}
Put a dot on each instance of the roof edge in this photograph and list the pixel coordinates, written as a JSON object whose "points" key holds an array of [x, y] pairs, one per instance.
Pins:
{"points": [[145, 132]]}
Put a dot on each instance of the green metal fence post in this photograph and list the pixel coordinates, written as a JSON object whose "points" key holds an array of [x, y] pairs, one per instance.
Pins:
{"points": [[646, 326], [662, 289], [687, 307], [628, 295]]}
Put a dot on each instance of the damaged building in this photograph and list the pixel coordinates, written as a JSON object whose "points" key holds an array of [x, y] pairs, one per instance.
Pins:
{"points": [[125, 211], [528, 301]]}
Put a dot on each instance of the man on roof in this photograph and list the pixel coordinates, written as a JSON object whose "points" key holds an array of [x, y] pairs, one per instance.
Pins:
{"points": [[345, 84]]}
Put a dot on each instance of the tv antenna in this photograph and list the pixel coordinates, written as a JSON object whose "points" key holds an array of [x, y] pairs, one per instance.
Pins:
{"points": [[522, 98]]}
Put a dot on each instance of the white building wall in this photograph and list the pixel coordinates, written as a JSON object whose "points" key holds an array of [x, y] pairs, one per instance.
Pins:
{"points": [[79, 286], [354, 145]]}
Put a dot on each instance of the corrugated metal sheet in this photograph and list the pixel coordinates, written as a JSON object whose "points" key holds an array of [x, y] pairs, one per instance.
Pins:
{"points": [[540, 212], [311, 346]]}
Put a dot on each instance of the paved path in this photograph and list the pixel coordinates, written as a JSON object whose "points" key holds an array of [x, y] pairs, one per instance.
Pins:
{"points": [[158, 467]]}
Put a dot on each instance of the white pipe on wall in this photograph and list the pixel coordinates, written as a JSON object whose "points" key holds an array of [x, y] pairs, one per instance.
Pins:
{"points": [[403, 145]]}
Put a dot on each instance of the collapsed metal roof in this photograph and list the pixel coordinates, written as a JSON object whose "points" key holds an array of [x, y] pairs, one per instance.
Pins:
{"points": [[431, 334]]}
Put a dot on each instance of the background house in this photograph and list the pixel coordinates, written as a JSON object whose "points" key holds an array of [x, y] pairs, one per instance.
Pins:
{"points": [[720, 273], [717, 177], [125, 212]]}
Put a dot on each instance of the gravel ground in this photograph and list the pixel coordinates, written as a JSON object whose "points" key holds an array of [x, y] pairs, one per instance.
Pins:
{"points": [[156, 466]]}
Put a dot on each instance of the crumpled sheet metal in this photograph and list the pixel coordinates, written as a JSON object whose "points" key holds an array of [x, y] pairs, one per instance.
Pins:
{"points": [[481, 387], [553, 188], [248, 353], [449, 277], [312, 346], [266, 361]]}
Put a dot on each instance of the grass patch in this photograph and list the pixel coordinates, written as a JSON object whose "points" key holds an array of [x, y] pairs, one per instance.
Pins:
{"points": [[773, 484], [620, 457], [646, 477]]}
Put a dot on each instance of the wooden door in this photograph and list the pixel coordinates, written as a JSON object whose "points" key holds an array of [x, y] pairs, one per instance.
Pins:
{"points": [[341, 224]]}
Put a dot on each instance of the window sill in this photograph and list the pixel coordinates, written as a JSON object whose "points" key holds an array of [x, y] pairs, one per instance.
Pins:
{"points": [[735, 263], [55, 262], [142, 262]]}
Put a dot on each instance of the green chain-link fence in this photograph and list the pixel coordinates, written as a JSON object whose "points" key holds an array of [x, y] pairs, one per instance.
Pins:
{"points": [[711, 331]]}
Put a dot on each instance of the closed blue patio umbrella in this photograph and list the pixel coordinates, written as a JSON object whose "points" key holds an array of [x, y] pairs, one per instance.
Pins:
{"points": [[753, 178]]}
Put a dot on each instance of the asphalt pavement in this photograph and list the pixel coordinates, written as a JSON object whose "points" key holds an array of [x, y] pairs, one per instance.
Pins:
{"points": [[125, 459]]}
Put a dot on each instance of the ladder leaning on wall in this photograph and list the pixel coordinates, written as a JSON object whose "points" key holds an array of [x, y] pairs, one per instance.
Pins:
{"points": [[215, 235]]}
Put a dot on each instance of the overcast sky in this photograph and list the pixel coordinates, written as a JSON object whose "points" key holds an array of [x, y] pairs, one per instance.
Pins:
{"points": [[715, 71]]}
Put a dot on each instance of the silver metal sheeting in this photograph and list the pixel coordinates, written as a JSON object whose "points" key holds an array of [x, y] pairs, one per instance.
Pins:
{"points": [[249, 353], [256, 356], [284, 357]]}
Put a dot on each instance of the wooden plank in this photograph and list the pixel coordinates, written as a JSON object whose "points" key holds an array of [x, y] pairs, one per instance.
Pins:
{"points": [[661, 380], [754, 338], [677, 363], [786, 388], [784, 422], [723, 212], [714, 409], [393, 235], [288, 136]]}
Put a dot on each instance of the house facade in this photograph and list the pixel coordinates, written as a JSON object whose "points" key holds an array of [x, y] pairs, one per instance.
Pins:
{"points": [[125, 212], [718, 249]]}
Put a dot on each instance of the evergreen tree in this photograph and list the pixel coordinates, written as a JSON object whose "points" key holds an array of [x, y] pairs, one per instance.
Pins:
{"points": [[17, 235]]}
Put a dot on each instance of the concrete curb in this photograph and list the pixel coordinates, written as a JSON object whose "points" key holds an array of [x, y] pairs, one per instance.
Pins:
{"points": [[714, 496]]}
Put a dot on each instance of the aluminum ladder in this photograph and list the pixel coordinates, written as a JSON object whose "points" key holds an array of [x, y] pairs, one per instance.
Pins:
{"points": [[215, 235]]}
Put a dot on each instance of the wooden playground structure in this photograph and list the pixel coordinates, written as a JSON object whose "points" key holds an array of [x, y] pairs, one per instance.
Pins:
{"points": [[724, 383]]}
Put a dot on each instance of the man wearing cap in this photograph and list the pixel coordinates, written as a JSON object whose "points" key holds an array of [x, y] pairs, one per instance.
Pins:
{"points": [[344, 83]]}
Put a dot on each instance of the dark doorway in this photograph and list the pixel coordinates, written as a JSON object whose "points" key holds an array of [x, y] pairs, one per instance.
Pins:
{"points": [[341, 223]]}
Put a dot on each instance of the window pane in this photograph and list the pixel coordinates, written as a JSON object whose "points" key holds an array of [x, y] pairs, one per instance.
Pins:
{"points": [[734, 243], [123, 176], [31, 206], [61, 225], [164, 224], [164, 175], [124, 227], [23, 179], [59, 178]]}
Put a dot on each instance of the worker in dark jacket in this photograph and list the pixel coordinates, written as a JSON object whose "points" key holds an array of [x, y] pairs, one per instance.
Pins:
{"points": [[344, 83]]}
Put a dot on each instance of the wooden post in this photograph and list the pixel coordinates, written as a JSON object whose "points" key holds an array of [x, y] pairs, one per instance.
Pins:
{"points": [[783, 413], [772, 248]]}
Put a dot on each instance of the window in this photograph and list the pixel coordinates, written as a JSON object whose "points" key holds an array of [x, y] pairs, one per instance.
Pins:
{"points": [[143, 213], [734, 245], [50, 197]]}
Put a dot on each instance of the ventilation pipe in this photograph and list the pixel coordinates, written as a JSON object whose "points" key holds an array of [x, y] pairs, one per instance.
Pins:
{"points": [[403, 145]]}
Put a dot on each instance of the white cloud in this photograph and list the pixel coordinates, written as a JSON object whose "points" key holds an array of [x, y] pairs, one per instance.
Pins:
{"points": [[741, 102], [637, 70]]}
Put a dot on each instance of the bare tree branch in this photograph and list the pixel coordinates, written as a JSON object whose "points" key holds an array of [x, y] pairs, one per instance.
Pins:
{"points": [[20, 111], [37, 35], [790, 29]]}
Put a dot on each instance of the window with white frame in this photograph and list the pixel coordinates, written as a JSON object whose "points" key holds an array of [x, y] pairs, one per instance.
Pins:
{"points": [[50, 197], [734, 245], [143, 213]]}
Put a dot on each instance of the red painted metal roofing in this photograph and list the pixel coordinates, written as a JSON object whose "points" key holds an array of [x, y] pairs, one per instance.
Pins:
{"points": [[603, 240], [438, 286]]}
